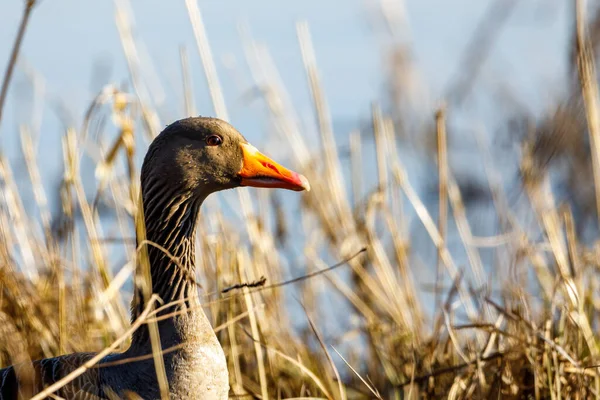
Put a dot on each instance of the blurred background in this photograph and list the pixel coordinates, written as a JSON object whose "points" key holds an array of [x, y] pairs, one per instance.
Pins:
{"points": [[73, 49], [448, 137]]}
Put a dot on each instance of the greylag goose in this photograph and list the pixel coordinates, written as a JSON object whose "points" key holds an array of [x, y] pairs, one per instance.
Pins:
{"points": [[186, 162]]}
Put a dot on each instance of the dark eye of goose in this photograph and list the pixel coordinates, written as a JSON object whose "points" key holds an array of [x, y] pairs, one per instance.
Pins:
{"points": [[214, 140]]}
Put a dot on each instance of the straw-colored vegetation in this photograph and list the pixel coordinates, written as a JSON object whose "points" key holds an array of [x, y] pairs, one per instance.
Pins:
{"points": [[520, 322]]}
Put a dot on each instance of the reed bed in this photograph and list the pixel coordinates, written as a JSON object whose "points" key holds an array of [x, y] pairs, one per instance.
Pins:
{"points": [[391, 320]]}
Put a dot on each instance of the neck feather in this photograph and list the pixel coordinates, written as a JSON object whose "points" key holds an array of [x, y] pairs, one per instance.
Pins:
{"points": [[170, 217]]}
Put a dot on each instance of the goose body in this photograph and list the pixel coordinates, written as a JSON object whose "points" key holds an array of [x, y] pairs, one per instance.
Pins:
{"points": [[189, 160]]}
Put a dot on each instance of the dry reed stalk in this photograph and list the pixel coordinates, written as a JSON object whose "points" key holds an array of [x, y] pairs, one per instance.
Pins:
{"points": [[342, 392], [440, 120], [398, 307], [17, 214], [397, 202], [429, 225], [323, 119], [243, 272], [356, 162], [282, 113], [589, 89], [478, 49], [14, 54], [124, 25], [72, 177], [236, 381], [189, 105], [464, 230], [39, 193], [381, 147], [371, 389], [16, 346], [406, 278], [205, 52]]}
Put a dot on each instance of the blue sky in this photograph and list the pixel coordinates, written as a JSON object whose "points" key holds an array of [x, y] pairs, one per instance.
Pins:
{"points": [[71, 41], [67, 38]]}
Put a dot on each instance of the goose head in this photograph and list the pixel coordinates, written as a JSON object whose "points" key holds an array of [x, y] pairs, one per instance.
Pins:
{"points": [[205, 155]]}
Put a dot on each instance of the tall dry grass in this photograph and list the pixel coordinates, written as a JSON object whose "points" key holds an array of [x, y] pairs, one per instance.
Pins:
{"points": [[523, 326]]}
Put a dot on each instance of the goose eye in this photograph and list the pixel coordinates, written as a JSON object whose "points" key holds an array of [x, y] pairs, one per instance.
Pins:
{"points": [[214, 140]]}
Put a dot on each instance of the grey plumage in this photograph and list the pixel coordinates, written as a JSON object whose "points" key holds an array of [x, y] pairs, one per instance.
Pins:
{"points": [[50, 370]]}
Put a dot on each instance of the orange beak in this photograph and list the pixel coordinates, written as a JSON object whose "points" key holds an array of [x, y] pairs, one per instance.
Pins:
{"points": [[259, 170]]}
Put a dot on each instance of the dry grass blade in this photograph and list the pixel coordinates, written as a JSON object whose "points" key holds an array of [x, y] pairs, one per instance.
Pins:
{"points": [[188, 96], [371, 389], [440, 119], [14, 55], [243, 264], [124, 25], [324, 347], [431, 228], [207, 59], [589, 88], [304, 369]]}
